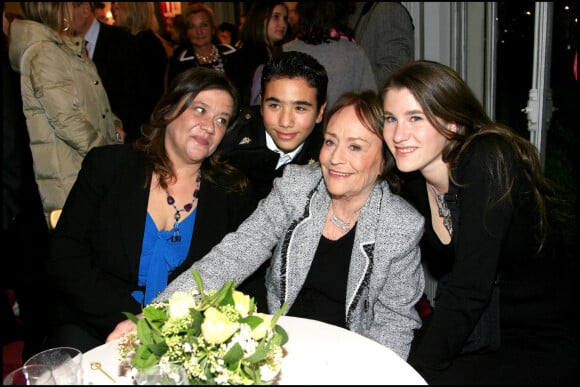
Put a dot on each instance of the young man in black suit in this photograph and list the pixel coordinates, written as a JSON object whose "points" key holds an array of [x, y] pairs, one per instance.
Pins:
{"points": [[284, 129], [114, 51]]}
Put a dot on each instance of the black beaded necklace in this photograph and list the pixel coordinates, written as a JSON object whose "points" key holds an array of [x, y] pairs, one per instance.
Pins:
{"points": [[171, 201]]}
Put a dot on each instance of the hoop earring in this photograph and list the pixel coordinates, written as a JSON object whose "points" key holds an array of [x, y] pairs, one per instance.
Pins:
{"points": [[66, 25]]}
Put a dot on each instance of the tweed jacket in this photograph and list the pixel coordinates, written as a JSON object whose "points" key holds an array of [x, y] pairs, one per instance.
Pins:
{"points": [[66, 106], [385, 278], [96, 248]]}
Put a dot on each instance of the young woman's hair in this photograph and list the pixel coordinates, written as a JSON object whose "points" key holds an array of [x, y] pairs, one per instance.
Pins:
{"points": [[56, 15], [177, 99], [254, 31], [446, 98], [369, 110]]}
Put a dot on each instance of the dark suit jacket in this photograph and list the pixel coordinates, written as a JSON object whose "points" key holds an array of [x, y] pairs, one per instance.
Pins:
{"points": [[117, 59], [96, 248], [244, 146]]}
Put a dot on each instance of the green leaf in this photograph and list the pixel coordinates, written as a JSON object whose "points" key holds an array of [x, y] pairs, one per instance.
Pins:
{"points": [[158, 349], [143, 358], [217, 298], [131, 316], [279, 313], [280, 336], [234, 355], [252, 321], [198, 280], [260, 353]]}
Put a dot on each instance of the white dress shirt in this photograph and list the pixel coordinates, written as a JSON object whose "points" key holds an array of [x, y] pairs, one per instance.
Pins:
{"points": [[285, 158]]}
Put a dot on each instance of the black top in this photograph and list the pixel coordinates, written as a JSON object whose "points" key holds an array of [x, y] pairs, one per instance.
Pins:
{"points": [[184, 58], [323, 295], [118, 63], [535, 289]]}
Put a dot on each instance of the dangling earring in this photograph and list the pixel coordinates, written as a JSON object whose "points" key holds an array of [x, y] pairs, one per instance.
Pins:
{"points": [[66, 25]]}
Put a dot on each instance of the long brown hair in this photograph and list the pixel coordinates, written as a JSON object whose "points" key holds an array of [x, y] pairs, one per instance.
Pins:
{"points": [[446, 98]]}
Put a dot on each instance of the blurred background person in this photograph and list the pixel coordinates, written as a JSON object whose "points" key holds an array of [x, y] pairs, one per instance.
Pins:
{"points": [[227, 34], [322, 31], [100, 11], [385, 30], [200, 45], [140, 214], [261, 38], [293, 18], [115, 53], [66, 106], [139, 18]]}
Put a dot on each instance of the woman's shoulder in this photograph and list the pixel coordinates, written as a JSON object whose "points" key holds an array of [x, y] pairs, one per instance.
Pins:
{"points": [[487, 148], [225, 49]]}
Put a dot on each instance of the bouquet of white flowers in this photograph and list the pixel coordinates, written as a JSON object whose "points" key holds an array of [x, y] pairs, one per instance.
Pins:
{"points": [[217, 336]]}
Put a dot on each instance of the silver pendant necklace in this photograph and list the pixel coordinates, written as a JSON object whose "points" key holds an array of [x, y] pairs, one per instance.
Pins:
{"points": [[344, 226], [443, 210]]}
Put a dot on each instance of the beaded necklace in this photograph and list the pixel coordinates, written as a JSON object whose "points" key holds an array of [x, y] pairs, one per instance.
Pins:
{"points": [[171, 201]]}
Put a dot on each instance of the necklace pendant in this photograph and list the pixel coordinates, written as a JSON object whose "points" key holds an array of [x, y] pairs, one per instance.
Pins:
{"points": [[341, 224]]}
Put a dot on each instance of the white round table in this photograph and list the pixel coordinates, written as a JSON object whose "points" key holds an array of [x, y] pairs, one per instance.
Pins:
{"points": [[316, 353]]}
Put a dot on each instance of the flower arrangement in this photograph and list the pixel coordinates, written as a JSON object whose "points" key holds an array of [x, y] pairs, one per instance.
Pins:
{"points": [[216, 335]]}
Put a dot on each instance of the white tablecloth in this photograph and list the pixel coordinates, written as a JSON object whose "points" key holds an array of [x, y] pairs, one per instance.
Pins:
{"points": [[316, 353]]}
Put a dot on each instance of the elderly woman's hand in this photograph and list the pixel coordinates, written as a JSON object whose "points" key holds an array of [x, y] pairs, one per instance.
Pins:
{"points": [[122, 329]]}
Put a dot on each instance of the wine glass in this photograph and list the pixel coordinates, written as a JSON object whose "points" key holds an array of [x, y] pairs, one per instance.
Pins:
{"points": [[162, 374], [65, 363], [30, 375]]}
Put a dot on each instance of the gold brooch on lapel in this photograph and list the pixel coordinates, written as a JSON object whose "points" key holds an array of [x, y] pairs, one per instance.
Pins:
{"points": [[311, 161], [246, 140]]}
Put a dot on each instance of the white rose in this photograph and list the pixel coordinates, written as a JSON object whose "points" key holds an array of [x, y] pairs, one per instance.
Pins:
{"points": [[180, 303], [261, 330], [242, 303], [216, 327]]}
